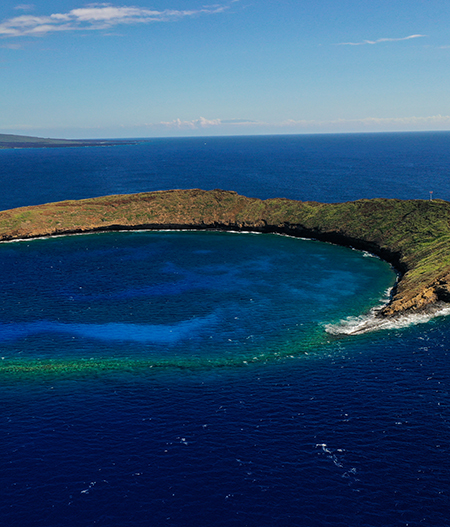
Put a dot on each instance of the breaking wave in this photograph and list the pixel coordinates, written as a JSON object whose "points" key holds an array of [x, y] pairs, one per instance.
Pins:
{"points": [[374, 321]]}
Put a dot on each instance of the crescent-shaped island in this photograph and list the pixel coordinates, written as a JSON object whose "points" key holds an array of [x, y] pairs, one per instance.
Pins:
{"points": [[412, 235]]}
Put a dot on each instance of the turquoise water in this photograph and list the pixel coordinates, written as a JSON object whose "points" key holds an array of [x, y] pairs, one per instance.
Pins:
{"points": [[178, 298]]}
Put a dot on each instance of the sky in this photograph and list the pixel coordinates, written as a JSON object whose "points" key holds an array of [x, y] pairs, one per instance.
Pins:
{"points": [[161, 68]]}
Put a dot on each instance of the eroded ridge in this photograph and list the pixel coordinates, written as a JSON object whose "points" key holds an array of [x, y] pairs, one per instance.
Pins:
{"points": [[413, 235]]}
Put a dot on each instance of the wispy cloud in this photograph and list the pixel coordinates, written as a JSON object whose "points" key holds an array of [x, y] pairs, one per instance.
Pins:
{"points": [[203, 126], [238, 121], [372, 123], [309, 125], [379, 41], [198, 124], [95, 17], [306, 124], [25, 7], [194, 124], [12, 45]]}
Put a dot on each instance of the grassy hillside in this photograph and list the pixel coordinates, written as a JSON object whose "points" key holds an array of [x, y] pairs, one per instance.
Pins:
{"points": [[414, 235]]}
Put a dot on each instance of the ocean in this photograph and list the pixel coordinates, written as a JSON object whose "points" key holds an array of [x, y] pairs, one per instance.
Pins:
{"points": [[200, 378]]}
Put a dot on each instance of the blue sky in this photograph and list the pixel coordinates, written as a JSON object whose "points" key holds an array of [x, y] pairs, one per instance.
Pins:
{"points": [[170, 67]]}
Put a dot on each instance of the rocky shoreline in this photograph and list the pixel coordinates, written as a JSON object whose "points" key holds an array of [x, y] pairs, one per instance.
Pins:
{"points": [[412, 235]]}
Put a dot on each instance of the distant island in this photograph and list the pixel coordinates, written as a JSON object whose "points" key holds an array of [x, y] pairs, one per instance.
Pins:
{"points": [[413, 235], [25, 141]]}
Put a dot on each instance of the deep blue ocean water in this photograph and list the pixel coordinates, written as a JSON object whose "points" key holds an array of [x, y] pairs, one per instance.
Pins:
{"points": [[186, 379]]}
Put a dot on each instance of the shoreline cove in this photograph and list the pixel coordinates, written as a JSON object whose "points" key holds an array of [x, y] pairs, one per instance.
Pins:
{"points": [[412, 235], [352, 325]]}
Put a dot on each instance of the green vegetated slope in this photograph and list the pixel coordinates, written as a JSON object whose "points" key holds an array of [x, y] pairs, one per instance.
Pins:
{"points": [[413, 235]]}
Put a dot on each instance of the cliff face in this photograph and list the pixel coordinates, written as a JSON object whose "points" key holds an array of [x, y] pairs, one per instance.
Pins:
{"points": [[413, 235]]}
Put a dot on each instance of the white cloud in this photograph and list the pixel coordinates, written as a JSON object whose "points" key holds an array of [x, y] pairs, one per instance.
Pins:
{"points": [[95, 17], [364, 42], [195, 124]]}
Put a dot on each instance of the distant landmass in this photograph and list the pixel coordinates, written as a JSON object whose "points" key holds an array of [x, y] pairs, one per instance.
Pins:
{"points": [[413, 235], [25, 141]]}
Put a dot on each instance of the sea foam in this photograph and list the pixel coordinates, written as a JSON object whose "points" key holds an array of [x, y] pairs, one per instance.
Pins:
{"points": [[373, 321]]}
